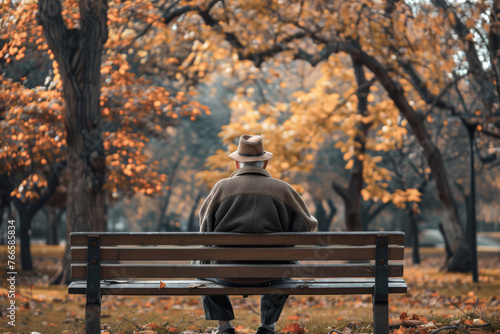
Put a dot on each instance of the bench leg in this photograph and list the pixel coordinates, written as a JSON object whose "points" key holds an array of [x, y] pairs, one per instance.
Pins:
{"points": [[380, 318], [93, 302], [92, 318]]}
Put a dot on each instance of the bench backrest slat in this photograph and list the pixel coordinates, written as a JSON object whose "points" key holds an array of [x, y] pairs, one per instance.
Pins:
{"points": [[272, 239], [150, 255], [234, 271], [242, 253]]}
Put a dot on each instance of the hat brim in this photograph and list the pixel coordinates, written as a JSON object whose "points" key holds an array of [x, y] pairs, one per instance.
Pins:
{"points": [[241, 158]]}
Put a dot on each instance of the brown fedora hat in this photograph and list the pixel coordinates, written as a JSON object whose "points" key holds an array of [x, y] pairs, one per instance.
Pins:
{"points": [[251, 148]]}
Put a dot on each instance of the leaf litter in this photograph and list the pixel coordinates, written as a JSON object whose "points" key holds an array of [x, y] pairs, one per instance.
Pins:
{"points": [[436, 302]]}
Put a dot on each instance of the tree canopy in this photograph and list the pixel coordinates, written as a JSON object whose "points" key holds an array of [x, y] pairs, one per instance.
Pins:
{"points": [[380, 92]]}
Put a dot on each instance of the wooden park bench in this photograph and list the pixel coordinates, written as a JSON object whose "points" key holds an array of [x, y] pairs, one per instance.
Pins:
{"points": [[331, 263]]}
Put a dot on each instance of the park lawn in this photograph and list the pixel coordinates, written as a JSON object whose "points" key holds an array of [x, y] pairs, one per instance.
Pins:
{"points": [[435, 299]]}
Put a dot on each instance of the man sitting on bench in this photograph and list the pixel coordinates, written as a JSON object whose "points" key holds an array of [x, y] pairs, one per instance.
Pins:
{"points": [[251, 201]]}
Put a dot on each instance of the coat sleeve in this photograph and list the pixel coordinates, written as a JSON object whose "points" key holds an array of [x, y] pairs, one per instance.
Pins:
{"points": [[305, 221], [204, 213]]}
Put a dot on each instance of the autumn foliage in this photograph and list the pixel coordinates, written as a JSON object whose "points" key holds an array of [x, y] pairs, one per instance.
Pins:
{"points": [[359, 100], [133, 108]]}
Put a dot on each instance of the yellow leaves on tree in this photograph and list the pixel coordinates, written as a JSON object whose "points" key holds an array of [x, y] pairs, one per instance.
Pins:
{"points": [[280, 139], [328, 108]]}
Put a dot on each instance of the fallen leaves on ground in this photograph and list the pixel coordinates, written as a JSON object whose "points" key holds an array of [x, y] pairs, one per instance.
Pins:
{"points": [[436, 302]]}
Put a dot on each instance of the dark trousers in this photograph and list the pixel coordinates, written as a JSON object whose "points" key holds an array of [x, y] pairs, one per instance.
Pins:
{"points": [[219, 308]]}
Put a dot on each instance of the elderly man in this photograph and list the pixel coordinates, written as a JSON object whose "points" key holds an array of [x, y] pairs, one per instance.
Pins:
{"points": [[251, 201]]}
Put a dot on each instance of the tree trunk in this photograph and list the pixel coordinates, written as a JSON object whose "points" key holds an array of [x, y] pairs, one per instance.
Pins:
{"points": [[447, 248], [368, 215], [27, 210], [3, 234], [352, 195], [324, 218], [78, 53], [321, 215], [494, 48], [451, 222], [53, 227], [414, 225], [333, 212], [5, 190], [25, 237], [414, 237], [166, 201], [63, 275]]}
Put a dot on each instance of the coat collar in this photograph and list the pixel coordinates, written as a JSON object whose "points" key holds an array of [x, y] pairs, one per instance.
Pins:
{"points": [[251, 170]]}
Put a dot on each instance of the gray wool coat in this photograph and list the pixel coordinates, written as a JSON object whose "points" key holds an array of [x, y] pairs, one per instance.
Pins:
{"points": [[251, 201]]}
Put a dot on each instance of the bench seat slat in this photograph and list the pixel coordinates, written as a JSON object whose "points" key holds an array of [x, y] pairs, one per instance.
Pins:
{"points": [[233, 270], [241, 253], [199, 287], [213, 238]]}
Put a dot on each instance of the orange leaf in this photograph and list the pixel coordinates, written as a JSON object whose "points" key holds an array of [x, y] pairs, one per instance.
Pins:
{"points": [[239, 328], [400, 330], [403, 315], [293, 328], [423, 319], [162, 285], [243, 329], [478, 322], [152, 325], [408, 322]]}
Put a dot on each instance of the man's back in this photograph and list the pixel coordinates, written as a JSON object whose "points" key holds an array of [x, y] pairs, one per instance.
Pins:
{"points": [[251, 201]]}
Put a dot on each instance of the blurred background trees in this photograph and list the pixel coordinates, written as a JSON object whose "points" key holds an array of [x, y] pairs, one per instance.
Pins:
{"points": [[364, 104]]}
